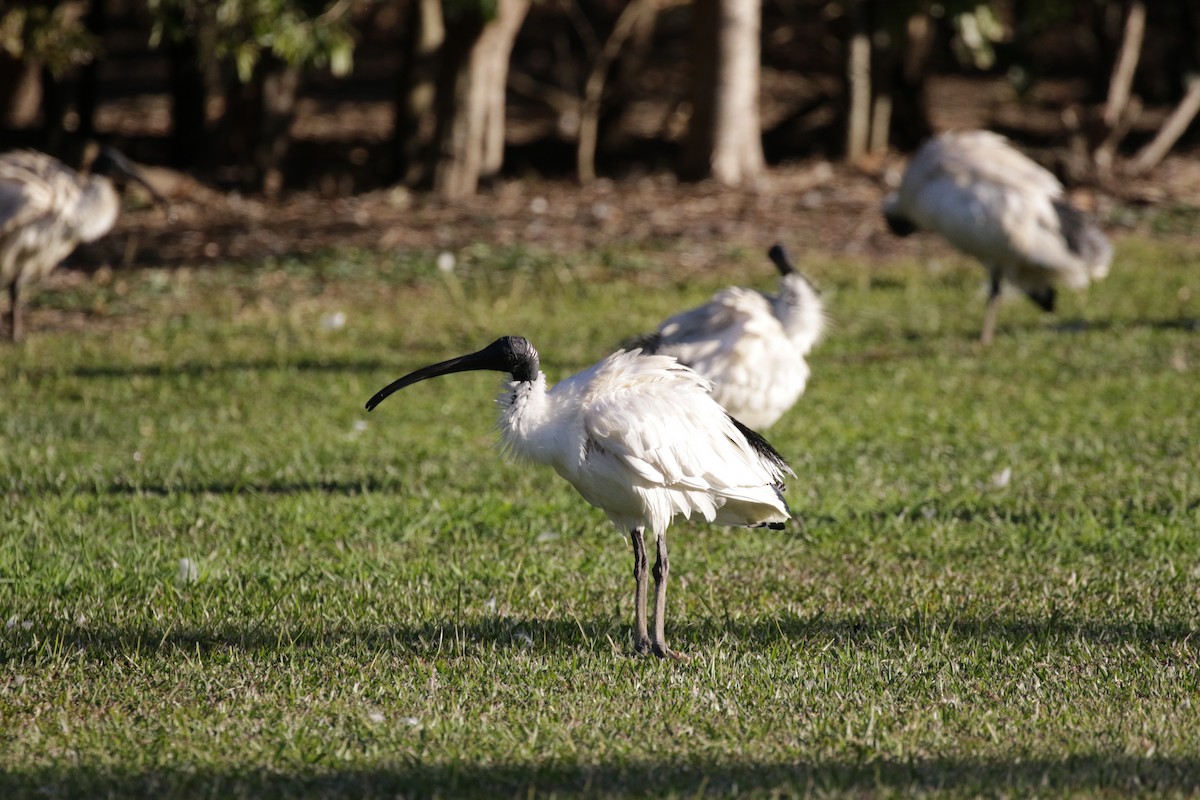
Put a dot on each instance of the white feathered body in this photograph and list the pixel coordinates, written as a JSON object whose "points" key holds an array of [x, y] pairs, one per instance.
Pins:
{"points": [[46, 209], [751, 346], [994, 203], [640, 437]]}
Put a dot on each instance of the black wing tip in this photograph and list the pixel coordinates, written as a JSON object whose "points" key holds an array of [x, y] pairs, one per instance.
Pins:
{"points": [[648, 343], [762, 446]]}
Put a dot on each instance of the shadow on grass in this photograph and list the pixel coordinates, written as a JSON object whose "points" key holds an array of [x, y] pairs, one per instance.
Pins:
{"points": [[1080, 325], [199, 369], [478, 638], [270, 488], [722, 776]]}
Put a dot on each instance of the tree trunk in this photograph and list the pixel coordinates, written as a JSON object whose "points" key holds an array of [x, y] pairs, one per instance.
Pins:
{"points": [[87, 97], [54, 113], [858, 73], [187, 145], [20, 93], [257, 124], [416, 89], [910, 108], [724, 137], [280, 86], [471, 98]]}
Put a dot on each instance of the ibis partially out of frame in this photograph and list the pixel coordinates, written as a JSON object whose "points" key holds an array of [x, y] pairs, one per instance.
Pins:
{"points": [[992, 202], [640, 437], [751, 345], [46, 209]]}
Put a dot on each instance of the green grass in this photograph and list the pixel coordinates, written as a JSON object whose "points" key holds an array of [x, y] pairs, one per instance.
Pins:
{"points": [[391, 609]]}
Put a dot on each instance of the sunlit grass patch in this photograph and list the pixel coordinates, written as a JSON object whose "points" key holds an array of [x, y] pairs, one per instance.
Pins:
{"points": [[220, 576]]}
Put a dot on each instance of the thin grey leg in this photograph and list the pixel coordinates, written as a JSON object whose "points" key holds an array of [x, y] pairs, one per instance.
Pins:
{"points": [[662, 567], [641, 637], [15, 328], [989, 316]]}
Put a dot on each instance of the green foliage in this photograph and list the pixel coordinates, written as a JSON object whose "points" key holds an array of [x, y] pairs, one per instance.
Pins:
{"points": [[301, 33], [990, 586], [51, 35]]}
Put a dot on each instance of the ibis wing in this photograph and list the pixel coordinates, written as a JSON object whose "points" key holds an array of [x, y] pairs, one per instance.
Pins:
{"points": [[32, 185], [970, 157], [714, 320], [667, 431]]}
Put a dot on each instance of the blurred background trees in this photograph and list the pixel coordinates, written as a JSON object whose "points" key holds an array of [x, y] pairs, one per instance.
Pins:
{"points": [[445, 94]]}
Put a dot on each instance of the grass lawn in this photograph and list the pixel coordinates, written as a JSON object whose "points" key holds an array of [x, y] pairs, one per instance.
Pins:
{"points": [[992, 586]]}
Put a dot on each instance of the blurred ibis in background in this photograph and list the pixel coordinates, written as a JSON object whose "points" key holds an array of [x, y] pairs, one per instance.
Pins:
{"points": [[752, 346], [46, 209], [641, 438], [992, 202]]}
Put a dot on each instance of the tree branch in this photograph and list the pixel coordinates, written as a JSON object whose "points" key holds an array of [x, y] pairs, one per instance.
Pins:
{"points": [[589, 115], [1148, 157], [1119, 86]]}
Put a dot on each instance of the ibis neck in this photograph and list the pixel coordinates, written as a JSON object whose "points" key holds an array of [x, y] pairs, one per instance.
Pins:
{"points": [[799, 310], [525, 418], [98, 205]]}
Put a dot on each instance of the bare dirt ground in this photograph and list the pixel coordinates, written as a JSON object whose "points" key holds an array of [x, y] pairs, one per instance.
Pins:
{"points": [[813, 206]]}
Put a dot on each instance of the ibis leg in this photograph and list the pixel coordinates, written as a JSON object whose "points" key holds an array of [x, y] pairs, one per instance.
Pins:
{"points": [[15, 332], [661, 569], [989, 316], [641, 637]]}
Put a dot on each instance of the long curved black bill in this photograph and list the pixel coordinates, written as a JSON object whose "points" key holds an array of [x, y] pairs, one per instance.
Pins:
{"points": [[484, 359], [118, 163], [783, 261], [512, 354]]}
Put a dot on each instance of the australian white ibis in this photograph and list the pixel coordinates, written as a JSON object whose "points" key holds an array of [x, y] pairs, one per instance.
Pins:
{"points": [[46, 209], [640, 437], [751, 345], [996, 204]]}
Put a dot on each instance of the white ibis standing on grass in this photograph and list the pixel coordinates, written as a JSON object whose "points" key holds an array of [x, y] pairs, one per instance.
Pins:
{"points": [[996, 204], [640, 437], [749, 344], [46, 209]]}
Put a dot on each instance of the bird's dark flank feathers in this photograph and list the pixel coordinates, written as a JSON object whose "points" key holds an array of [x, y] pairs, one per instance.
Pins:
{"points": [[1043, 297], [1083, 238], [1074, 225], [901, 226]]}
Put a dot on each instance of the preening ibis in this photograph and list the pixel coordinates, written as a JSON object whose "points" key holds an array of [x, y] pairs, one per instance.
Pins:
{"points": [[993, 202], [46, 209], [749, 344], [640, 437]]}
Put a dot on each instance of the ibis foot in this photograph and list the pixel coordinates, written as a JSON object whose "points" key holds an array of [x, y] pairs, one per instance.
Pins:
{"points": [[641, 646], [662, 651]]}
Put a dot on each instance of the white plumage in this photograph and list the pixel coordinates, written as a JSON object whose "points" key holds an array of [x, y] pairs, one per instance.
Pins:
{"points": [[993, 202], [640, 438], [752, 346], [46, 209]]}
